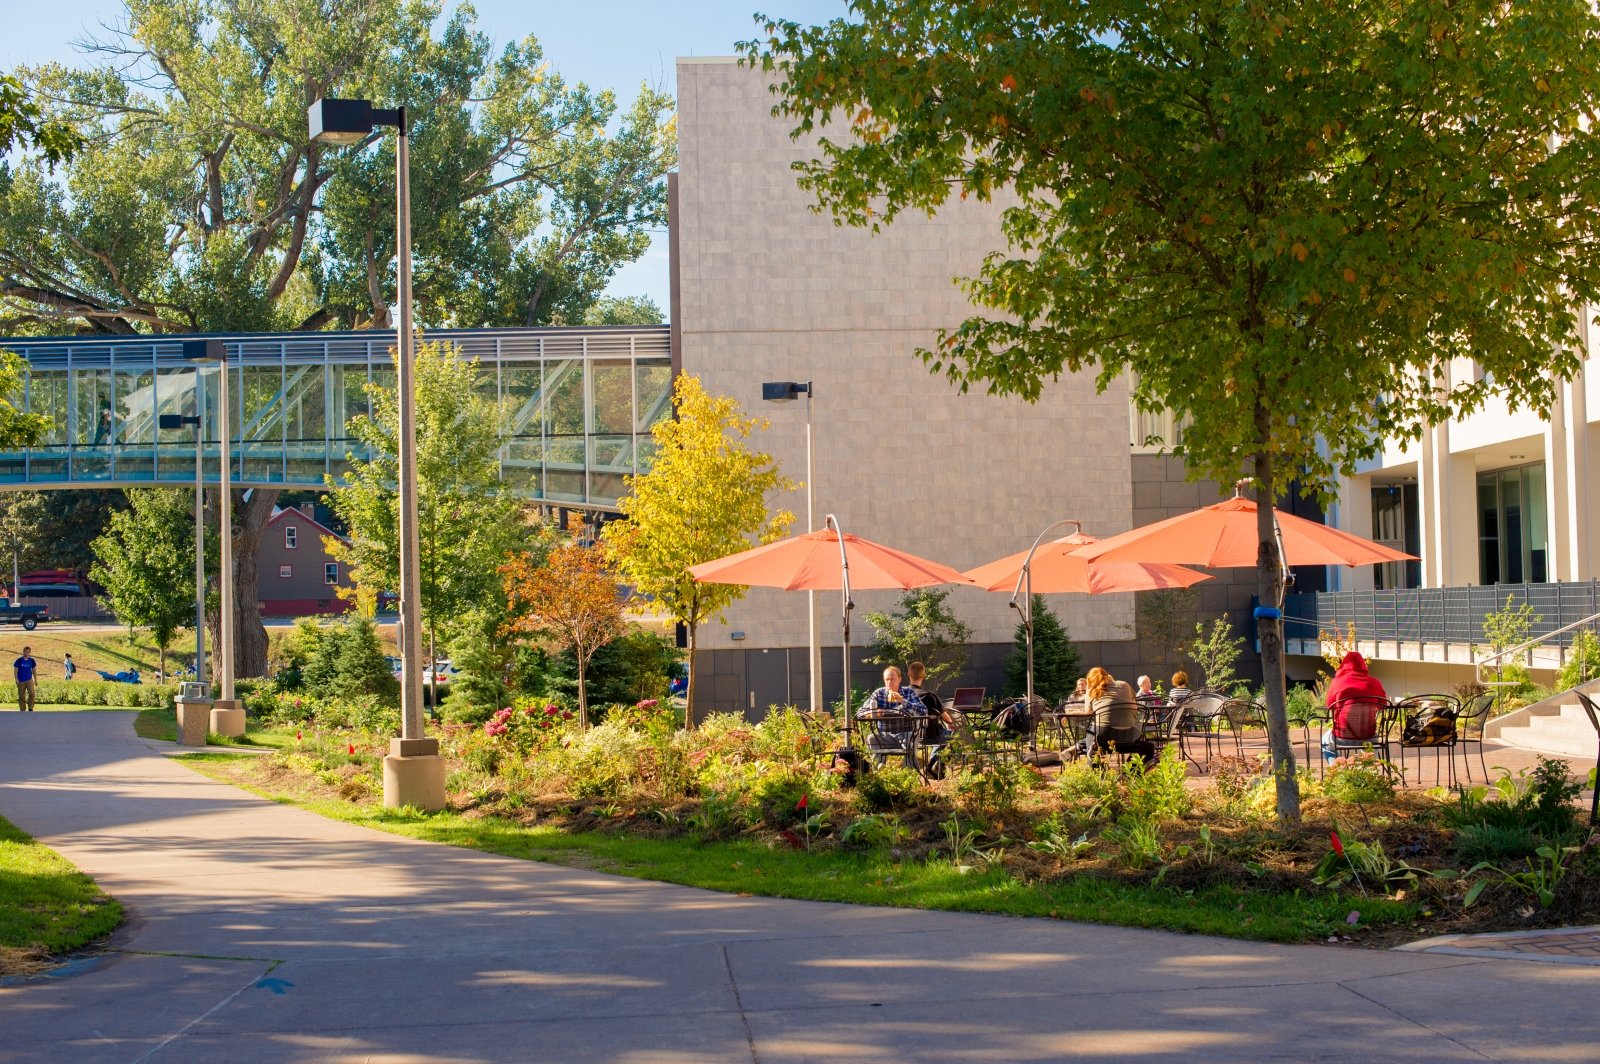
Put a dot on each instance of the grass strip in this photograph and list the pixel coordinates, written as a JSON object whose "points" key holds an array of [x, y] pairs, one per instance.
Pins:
{"points": [[755, 867], [46, 905]]}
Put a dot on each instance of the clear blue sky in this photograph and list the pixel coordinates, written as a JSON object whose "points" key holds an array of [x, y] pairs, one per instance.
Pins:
{"points": [[608, 43]]}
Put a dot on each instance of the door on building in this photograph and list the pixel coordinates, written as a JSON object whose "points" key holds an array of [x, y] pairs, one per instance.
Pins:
{"points": [[767, 676]]}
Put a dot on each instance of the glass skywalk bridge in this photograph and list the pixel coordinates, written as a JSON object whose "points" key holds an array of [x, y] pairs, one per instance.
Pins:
{"points": [[579, 405]]}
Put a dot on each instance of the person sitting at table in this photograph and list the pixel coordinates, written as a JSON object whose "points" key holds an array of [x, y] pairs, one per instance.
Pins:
{"points": [[939, 719], [1146, 693], [1180, 686], [893, 695], [1116, 712], [1078, 692], [1356, 697]]}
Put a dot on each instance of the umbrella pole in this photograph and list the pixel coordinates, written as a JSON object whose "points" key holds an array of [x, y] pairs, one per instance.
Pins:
{"points": [[844, 581], [1025, 588]]}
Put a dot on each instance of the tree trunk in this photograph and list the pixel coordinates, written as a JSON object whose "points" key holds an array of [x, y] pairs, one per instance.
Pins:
{"points": [[1269, 629], [249, 635], [433, 663], [688, 690], [583, 688]]}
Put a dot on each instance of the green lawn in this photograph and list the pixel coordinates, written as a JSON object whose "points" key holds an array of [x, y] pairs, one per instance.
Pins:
{"points": [[46, 905], [872, 878]]}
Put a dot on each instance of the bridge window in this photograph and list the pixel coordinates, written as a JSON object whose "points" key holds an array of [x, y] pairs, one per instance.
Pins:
{"points": [[291, 537]]}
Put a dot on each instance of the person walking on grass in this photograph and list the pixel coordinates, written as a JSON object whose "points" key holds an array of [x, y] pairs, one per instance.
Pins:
{"points": [[69, 668], [24, 669]]}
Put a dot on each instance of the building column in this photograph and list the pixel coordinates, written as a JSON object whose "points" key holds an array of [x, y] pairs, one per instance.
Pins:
{"points": [[1432, 514], [1578, 562], [1461, 475], [1353, 515]]}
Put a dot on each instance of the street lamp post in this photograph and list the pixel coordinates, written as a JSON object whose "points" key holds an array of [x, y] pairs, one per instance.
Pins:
{"points": [[413, 773], [226, 716], [783, 392], [178, 421]]}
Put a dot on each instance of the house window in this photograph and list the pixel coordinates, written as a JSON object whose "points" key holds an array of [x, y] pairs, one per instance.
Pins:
{"points": [[291, 537], [330, 573], [285, 571]]}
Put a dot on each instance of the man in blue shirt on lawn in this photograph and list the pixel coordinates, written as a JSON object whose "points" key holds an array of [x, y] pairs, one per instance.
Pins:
{"points": [[25, 667]]}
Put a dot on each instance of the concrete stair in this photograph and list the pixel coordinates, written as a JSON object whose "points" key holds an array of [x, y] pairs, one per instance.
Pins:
{"points": [[1557, 725]]}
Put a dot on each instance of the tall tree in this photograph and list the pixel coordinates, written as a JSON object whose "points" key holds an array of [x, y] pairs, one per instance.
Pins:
{"points": [[571, 600], [145, 561], [705, 493], [197, 202], [466, 521], [1285, 220]]}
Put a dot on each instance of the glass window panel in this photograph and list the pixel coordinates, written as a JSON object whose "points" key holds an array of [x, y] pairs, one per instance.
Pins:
{"points": [[564, 468], [175, 447], [520, 382], [563, 389], [261, 426], [654, 389], [1535, 523], [522, 468], [47, 395], [612, 395], [349, 400], [1511, 526], [306, 415], [134, 430], [1488, 530]]}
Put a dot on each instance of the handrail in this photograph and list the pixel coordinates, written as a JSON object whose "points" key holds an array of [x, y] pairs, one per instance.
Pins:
{"points": [[1499, 657]]}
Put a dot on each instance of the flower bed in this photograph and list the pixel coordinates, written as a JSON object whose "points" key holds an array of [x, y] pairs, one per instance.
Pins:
{"points": [[1394, 864]]}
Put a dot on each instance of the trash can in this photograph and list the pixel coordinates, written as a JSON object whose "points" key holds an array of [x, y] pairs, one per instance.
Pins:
{"points": [[194, 713]]}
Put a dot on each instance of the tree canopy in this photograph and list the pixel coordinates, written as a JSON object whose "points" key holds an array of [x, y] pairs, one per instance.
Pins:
{"points": [[23, 127], [1284, 220], [197, 201], [569, 599]]}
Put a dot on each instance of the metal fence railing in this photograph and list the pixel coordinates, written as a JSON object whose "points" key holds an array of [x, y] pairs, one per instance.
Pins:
{"points": [[1438, 614]]}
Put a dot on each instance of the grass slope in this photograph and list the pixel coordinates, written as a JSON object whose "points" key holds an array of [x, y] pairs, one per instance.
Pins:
{"points": [[46, 905]]}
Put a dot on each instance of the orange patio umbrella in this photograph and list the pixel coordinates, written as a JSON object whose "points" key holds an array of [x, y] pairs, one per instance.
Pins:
{"points": [[1060, 566], [827, 560], [1223, 536]]}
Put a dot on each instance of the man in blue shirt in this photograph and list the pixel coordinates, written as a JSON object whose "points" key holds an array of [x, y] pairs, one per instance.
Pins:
{"points": [[25, 667]]}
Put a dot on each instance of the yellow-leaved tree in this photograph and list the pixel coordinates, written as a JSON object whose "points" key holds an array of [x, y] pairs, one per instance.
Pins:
{"points": [[704, 497]]}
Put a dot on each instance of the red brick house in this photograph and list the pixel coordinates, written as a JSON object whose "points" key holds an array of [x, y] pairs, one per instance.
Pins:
{"points": [[296, 577]]}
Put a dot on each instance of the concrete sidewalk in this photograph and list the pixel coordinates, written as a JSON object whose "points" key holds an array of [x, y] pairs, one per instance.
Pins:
{"points": [[261, 933]]}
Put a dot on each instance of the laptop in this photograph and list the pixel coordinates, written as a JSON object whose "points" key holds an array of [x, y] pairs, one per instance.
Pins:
{"points": [[967, 700]]}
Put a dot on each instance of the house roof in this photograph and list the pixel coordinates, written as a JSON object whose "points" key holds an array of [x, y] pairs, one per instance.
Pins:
{"points": [[279, 512]]}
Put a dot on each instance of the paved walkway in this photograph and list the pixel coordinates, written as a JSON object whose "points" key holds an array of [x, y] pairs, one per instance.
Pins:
{"points": [[258, 932]]}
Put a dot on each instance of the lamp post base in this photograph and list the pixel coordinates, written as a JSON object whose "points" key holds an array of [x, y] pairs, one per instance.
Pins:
{"points": [[227, 718], [413, 774]]}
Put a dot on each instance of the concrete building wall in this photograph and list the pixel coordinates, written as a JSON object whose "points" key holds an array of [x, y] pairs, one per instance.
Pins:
{"points": [[771, 291]]}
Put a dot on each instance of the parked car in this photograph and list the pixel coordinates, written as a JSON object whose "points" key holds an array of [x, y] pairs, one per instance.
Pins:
{"points": [[28, 616], [444, 671]]}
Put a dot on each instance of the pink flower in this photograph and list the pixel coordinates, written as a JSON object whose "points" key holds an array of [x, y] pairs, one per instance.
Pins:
{"points": [[649, 703], [527, 711], [551, 711]]}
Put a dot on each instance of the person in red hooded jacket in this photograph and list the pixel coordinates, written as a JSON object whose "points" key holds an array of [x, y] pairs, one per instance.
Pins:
{"points": [[1356, 696]]}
